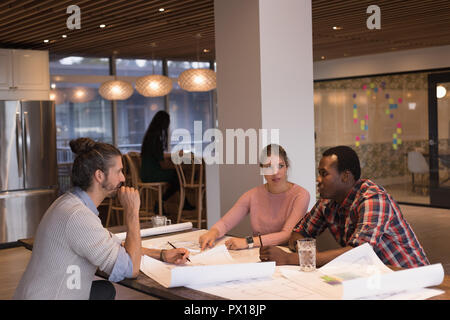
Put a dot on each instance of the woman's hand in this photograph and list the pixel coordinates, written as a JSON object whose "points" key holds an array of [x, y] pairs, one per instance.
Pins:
{"points": [[208, 239], [176, 256], [236, 243]]}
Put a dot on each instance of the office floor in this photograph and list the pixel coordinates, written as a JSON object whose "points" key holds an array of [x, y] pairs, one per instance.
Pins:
{"points": [[430, 225]]}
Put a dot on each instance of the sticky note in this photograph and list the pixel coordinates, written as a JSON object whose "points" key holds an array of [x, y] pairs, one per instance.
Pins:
{"points": [[357, 143], [399, 124], [368, 92], [354, 95], [363, 137], [375, 90], [366, 117], [366, 128], [399, 141], [355, 121], [363, 122], [364, 87], [388, 111], [399, 130], [394, 146], [394, 136], [391, 101], [400, 100], [357, 138], [355, 106], [391, 116], [372, 85], [387, 96]]}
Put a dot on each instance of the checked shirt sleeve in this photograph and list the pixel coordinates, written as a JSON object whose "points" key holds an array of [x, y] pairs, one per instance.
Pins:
{"points": [[313, 223], [374, 215]]}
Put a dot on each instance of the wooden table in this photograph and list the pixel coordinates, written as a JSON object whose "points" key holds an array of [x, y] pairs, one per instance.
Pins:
{"points": [[149, 286]]}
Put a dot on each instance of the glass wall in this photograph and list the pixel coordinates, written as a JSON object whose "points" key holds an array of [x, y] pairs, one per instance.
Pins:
{"points": [[385, 119], [82, 112]]}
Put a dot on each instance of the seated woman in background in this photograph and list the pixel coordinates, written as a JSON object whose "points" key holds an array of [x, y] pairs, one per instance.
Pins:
{"points": [[274, 207], [156, 165]]}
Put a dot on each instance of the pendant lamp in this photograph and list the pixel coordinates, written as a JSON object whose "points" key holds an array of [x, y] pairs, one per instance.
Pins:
{"points": [[197, 80], [116, 90], [154, 85]]}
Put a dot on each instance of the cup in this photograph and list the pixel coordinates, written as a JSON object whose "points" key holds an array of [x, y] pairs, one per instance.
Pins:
{"points": [[306, 249], [159, 221]]}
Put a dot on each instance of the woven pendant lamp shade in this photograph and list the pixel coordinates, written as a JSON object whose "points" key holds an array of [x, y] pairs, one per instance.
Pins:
{"points": [[154, 85], [197, 80], [116, 90]]}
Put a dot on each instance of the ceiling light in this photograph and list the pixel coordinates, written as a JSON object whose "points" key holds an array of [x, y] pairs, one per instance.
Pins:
{"points": [[412, 106], [161, 9], [206, 50], [154, 85], [53, 85], [337, 28], [116, 90], [46, 41], [64, 36], [440, 92], [322, 57], [102, 25], [81, 95], [197, 80]]}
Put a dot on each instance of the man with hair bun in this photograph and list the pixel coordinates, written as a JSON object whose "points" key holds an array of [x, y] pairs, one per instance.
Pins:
{"points": [[356, 211], [71, 243]]}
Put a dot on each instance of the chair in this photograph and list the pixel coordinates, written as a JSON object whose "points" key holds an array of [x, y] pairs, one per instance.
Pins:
{"points": [[145, 188], [194, 182], [417, 165]]}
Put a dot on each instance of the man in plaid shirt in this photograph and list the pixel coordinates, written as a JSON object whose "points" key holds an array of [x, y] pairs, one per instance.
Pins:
{"points": [[356, 211]]}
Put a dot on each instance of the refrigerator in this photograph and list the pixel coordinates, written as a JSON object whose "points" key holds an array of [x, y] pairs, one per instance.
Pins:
{"points": [[28, 167]]}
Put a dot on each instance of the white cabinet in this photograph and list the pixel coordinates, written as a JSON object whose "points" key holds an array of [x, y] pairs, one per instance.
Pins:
{"points": [[24, 74], [5, 69]]}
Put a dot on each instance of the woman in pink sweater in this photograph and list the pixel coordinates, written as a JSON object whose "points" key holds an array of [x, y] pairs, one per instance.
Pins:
{"points": [[275, 207]]}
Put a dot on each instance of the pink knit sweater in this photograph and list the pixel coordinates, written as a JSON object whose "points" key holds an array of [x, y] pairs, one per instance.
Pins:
{"points": [[272, 215]]}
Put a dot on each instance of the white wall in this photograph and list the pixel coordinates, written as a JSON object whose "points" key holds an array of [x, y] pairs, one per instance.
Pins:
{"points": [[392, 62]]}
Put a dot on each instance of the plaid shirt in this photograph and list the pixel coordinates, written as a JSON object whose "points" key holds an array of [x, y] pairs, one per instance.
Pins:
{"points": [[368, 214]]}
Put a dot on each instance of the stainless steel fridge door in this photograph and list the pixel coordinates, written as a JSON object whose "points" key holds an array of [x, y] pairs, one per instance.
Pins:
{"points": [[21, 212], [39, 134], [11, 146]]}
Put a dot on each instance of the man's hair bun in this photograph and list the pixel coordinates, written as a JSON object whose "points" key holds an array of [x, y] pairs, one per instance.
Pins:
{"points": [[82, 145]]}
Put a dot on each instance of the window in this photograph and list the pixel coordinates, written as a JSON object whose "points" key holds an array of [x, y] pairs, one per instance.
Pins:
{"points": [[71, 65], [138, 67]]}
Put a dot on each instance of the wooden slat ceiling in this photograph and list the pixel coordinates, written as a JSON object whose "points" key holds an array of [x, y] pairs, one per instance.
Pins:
{"points": [[133, 25]]}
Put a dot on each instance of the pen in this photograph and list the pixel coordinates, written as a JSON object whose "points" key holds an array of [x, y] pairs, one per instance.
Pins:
{"points": [[175, 248], [260, 240]]}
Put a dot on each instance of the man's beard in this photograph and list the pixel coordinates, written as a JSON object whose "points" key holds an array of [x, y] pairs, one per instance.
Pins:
{"points": [[110, 189]]}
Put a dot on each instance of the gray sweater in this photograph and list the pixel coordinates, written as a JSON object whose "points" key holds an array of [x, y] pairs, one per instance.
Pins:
{"points": [[70, 244]]}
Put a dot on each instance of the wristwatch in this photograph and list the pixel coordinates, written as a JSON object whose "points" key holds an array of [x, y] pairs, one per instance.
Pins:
{"points": [[249, 241]]}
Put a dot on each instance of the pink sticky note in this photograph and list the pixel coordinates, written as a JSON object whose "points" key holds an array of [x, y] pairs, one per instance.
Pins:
{"points": [[367, 117], [400, 100], [355, 121], [365, 87], [399, 125], [357, 138]]}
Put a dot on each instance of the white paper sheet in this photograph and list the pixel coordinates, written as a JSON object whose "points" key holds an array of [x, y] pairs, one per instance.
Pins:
{"points": [[360, 274], [159, 230], [175, 276]]}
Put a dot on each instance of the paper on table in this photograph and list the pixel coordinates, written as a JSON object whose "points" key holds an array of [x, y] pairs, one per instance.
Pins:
{"points": [[360, 274], [159, 230], [170, 276], [394, 282]]}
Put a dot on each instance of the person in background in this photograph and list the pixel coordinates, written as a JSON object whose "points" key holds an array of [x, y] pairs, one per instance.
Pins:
{"points": [[274, 207], [356, 211], [156, 164], [71, 243]]}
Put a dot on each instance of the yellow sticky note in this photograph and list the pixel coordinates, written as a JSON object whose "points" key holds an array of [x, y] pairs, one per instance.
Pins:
{"points": [[368, 92], [357, 143], [399, 141], [388, 111], [394, 136], [394, 146], [363, 122], [372, 85], [399, 130], [391, 101]]}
